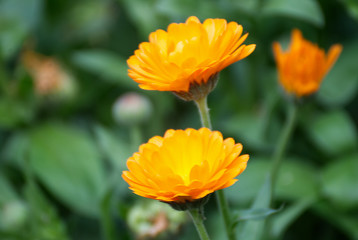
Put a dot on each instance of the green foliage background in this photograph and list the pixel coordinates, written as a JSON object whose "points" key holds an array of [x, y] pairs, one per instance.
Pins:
{"points": [[61, 156]]}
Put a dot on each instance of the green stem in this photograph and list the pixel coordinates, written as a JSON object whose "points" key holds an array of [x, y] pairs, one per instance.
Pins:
{"points": [[3, 75], [108, 227], [204, 112], [224, 209], [283, 141], [198, 222], [220, 195], [135, 137]]}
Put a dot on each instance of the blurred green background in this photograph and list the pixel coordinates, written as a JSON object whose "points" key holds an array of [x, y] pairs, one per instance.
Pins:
{"points": [[62, 151]]}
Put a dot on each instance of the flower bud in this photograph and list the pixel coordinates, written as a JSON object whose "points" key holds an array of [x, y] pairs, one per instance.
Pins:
{"points": [[132, 109], [12, 215], [152, 220]]}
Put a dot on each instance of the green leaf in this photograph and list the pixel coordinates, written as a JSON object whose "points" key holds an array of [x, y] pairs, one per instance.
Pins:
{"points": [[306, 10], [181, 9], [107, 222], [341, 84], [255, 214], [296, 180], [44, 222], [352, 7], [340, 179], [13, 113], [348, 223], [254, 229], [283, 220], [249, 7], [17, 19], [15, 148], [250, 127], [249, 183], [113, 147], [106, 64], [68, 163], [7, 191], [90, 20], [144, 15], [333, 132]]}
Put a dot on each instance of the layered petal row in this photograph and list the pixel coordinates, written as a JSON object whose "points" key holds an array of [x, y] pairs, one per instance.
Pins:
{"points": [[184, 165], [187, 53], [303, 66]]}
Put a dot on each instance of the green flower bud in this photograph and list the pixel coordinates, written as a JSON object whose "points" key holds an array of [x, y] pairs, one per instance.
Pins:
{"points": [[154, 220], [12, 215], [132, 109]]}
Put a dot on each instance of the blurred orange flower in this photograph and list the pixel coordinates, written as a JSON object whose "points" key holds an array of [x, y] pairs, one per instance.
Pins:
{"points": [[48, 75], [45, 71], [303, 66], [187, 53], [184, 165]]}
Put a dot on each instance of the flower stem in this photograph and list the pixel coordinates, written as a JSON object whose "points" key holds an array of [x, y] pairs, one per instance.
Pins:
{"points": [[108, 227], [283, 141], [220, 195], [224, 209], [198, 222], [135, 137], [204, 112]]}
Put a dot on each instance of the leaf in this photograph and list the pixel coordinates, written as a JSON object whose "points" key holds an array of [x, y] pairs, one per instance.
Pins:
{"points": [[117, 151], [306, 10], [256, 128], [254, 229], [341, 84], [17, 19], [15, 148], [340, 179], [142, 13], [13, 113], [296, 180], [68, 163], [106, 64], [113, 147], [7, 191], [180, 9], [283, 220], [255, 214], [45, 222], [250, 127], [348, 223], [107, 220], [333, 132], [248, 7], [91, 20], [352, 7]]}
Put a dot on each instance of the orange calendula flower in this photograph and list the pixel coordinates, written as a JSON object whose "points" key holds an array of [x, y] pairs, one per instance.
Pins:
{"points": [[303, 66], [188, 54], [184, 165], [48, 75]]}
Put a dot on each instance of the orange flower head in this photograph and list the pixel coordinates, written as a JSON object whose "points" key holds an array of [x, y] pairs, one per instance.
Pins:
{"points": [[303, 66], [49, 77], [184, 165], [190, 53]]}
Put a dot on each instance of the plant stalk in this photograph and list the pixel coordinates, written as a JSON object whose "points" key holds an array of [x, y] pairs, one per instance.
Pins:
{"points": [[283, 142], [220, 195], [199, 224], [204, 112]]}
